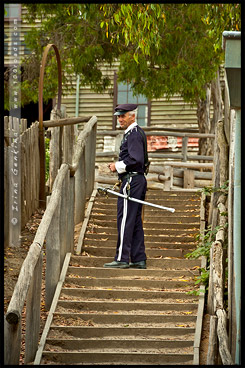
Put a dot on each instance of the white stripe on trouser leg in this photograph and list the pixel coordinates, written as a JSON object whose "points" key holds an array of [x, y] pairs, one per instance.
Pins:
{"points": [[125, 211]]}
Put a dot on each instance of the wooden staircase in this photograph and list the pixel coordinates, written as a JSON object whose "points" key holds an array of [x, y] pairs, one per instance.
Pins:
{"points": [[130, 316]]}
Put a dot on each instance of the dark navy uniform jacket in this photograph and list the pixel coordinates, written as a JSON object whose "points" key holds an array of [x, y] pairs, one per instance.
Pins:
{"points": [[132, 151]]}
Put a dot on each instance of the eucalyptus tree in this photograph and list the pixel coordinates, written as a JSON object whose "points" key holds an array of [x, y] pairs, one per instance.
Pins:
{"points": [[162, 49]]}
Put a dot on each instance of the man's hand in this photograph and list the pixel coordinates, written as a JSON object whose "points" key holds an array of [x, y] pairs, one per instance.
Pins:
{"points": [[112, 166]]}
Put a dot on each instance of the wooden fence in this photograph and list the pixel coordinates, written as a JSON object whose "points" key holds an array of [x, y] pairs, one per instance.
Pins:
{"points": [[165, 174], [218, 216], [21, 146], [64, 209]]}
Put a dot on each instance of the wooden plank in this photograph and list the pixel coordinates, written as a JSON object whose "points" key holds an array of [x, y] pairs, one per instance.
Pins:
{"points": [[223, 338], [80, 144], [21, 288], [23, 200], [190, 165], [31, 166], [213, 341], [70, 214], [52, 310], [161, 132], [53, 255], [223, 152], [218, 275], [17, 301], [33, 305], [199, 319], [28, 173], [63, 218], [188, 179], [80, 191], [12, 342], [65, 121], [85, 222]]}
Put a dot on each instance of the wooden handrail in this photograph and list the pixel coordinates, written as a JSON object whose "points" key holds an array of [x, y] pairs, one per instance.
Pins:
{"points": [[66, 121], [24, 290], [80, 144], [161, 133], [21, 288], [191, 165]]}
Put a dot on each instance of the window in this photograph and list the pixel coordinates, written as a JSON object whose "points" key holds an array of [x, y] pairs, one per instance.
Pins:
{"points": [[123, 94]]}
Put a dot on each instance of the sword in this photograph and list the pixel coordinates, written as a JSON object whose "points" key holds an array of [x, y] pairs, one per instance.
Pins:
{"points": [[135, 199]]}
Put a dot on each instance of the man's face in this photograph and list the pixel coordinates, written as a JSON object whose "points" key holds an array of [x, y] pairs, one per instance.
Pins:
{"points": [[125, 120]]}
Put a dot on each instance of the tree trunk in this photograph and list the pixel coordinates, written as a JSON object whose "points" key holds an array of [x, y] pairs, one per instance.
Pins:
{"points": [[205, 122], [203, 118], [216, 97]]}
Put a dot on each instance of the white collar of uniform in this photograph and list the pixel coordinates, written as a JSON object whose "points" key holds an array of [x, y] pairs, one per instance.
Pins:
{"points": [[130, 127]]}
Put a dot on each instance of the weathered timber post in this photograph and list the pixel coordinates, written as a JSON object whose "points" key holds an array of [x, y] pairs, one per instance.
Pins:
{"points": [[54, 241], [64, 220], [168, 172], [93, 155], [70, 215], [184, 148], [88, 168], [212, 355], [53, 238], [42, 192], [80, 190], [55, 160], [12, 342], [90, 153], [33, 305], [52, 257]]}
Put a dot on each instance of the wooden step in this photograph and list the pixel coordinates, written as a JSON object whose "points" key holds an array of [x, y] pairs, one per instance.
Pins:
{"points": [[149, 237], [129, 306], [107, 316], [134, 283], [147, 224], [162, 263], [108, 358], [109, 251], [130, 272], [157, 215], [122, 294], [148, 244]]}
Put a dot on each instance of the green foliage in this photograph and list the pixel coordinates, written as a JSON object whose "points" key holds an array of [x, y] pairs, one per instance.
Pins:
{"points": [[162, 48], [204, 244], [220, 18], [208, 190], [203, 278]]}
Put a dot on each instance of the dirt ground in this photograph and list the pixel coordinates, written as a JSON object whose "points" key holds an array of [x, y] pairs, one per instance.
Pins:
{"points": [[13, 259]]}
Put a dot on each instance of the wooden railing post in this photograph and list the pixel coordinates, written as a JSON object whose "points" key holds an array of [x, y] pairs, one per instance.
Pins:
{"points": [[88, 151], [33, 305], [168, 172], [80, 188], [184, 148], [12, 342], [70, 215], [52, 255], [212, 355], [66, 203], [93, 155], [64, 218]]}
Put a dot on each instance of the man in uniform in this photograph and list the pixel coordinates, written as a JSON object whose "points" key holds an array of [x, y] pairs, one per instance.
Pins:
{"points": [[130, 168]]}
